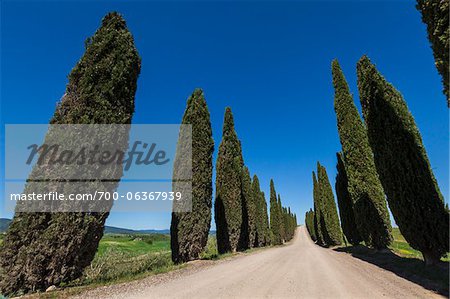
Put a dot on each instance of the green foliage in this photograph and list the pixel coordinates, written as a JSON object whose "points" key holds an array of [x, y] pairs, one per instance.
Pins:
{"points": [[228, 203], [267, 239], [282, 221], [345, 203], [309, 222], [290, 224], [43, 249], [317, 211], [402, 163], [249, 211], [435, 15], [331, 229], [262, 235], [189, 230], [364, 186], [275, 216]]}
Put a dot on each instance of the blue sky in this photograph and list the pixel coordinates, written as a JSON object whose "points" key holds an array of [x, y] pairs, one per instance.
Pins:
{"points": [[269, 61]]}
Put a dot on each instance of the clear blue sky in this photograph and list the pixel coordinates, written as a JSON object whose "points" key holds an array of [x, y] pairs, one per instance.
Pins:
{"points": [[269, 61]]}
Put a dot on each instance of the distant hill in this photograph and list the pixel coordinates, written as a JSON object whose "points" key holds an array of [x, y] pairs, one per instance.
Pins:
{"points": [[4, 223], [119, 230]]}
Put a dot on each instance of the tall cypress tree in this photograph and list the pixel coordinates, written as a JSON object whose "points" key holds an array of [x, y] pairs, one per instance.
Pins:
{"points": [[261, 214], [435, 15], [317, 211], [274, 216], [369, 204], [43, 249], [413, 193], [228, 203], [249, 210], [256, 193], [189, 230], [281, 223], [309, 222], [345, 203], [266, 225], [330, 217]]}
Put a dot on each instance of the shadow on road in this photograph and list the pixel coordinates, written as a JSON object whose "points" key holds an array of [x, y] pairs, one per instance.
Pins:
{"points": [[434, 278]]}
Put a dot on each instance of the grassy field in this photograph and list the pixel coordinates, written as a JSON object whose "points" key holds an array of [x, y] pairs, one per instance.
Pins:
{"points": [[125, 256], [134, 244], [402, 248]]}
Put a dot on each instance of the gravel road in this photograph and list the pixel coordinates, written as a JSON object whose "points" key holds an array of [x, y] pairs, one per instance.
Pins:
{"points": [[300, 269]]}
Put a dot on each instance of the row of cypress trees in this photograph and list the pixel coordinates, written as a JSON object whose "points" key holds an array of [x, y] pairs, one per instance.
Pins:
{"points": [[309, 222], [412, 192], [371, 213], [400, 165], [326, 226], [282, 221], [382, 158], [240, 208]]}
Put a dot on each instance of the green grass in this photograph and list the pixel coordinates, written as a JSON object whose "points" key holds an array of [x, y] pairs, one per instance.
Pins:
{"points": [[210, 252], [126, 256], [402, 248], [134, 245]]}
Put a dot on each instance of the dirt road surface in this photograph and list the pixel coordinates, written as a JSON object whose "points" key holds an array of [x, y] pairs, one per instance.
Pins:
{"points": [[300, 269]]}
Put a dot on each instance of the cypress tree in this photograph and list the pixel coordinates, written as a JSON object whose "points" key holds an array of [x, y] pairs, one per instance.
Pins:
{"points": [[249, 210], [288, 218], [293, 225], [333, 235], [43, 249], [287, 223], [189, 230], [364, 186], [317, 211], [402, 163], [309, 222], [435, 15], [290, 224], [274, 216], [256, 193], [266, 226], [228, 203], [281, 224], [261, 214], [345, 203]]}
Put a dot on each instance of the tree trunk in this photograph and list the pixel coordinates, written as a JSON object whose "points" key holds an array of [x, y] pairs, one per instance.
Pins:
{"points": [[430, 259]]}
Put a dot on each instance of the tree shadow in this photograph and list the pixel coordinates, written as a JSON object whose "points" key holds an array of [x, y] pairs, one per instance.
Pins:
{"points": [[434, 277]]}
